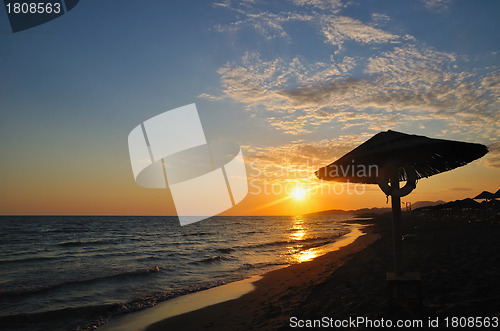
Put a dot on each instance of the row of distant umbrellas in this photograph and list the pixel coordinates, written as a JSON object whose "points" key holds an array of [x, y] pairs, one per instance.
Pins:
{"points": [[469, 202]]}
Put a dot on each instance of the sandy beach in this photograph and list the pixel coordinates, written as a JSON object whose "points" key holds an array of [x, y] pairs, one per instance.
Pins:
{"points": [[459, 263]]}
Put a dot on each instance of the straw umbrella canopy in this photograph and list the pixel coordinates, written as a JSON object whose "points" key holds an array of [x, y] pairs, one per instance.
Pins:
{"points": [[391, 157], [486, 196], [427, 156], [497, 194]]}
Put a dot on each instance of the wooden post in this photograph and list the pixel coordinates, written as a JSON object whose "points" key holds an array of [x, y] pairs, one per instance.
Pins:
{"points": [[396, 221]]}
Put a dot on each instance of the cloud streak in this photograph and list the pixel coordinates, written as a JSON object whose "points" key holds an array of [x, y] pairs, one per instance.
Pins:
{"points": [[331, 5], [338, 29], [269, 25], [492, 159], [436, 5], [296, 162]]}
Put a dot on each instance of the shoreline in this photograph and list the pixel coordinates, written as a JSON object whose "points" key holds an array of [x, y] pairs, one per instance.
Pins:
{"points": [[223, 294], [277, 286], [139, 320]]}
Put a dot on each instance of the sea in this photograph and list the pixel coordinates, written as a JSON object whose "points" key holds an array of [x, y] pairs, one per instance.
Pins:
{"points": [[78, 272]]}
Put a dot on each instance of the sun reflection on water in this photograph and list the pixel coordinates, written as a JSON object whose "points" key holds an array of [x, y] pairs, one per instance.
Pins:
{"points": [[306, 255], [298, 233], [298, 229]]}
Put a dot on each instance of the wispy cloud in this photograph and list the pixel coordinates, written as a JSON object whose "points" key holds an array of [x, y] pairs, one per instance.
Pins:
{"points": [[224, 4], [380, 19], [270, 25], [332, 5], [460, 189], [436, 5], [410, 63], [297, 161], [335, 28], [492, 159], [338, 29]]}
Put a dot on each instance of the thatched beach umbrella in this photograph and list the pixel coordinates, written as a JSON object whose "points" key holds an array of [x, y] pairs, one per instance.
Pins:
{"points": [[488, 197], [468, 204], [391, 157], [485, 195]]}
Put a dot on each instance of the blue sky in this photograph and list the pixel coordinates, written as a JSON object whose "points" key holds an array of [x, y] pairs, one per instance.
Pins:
{"points": [[290, 81]]}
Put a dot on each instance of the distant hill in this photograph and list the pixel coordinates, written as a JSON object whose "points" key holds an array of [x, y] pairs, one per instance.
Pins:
{"points": [[350, 212], [368, 211]]}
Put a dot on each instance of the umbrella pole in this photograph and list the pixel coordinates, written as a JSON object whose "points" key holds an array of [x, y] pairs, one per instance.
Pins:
{"points": [[396, 221]]}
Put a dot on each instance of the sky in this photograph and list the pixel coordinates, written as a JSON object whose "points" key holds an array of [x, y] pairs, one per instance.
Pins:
{"points": [[296, 83]]}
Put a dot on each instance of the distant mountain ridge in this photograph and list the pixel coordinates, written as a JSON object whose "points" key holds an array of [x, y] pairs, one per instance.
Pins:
{"points": [[375, 210]]}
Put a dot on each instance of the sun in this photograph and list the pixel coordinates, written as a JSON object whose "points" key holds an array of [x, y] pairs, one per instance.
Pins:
{"points": [[299, 193]]}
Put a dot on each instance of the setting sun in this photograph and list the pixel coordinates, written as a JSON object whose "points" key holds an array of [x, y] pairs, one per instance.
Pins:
{"points": [[299, 193]]}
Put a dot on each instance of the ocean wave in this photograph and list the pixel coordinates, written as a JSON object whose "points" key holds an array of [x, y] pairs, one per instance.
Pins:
{"points": [[86, 243], [29, 259], [70, 230], [253, 232], [308, 246], [324, 239], [250, 266], [225, 250], [198, 234], [42, 290], [212, 259]]}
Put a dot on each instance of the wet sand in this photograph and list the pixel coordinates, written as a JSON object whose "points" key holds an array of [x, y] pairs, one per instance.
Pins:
{"points": [[459, 264]]}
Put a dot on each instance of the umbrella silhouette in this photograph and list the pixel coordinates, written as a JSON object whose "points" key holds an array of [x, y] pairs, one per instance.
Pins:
{"points": [[488, 198], [486, 195], [390, 157]]}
